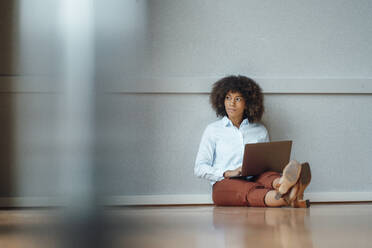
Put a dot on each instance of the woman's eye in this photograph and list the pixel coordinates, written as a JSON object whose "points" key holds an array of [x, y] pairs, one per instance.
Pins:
{"points": [[238, 99], [227, 98]]}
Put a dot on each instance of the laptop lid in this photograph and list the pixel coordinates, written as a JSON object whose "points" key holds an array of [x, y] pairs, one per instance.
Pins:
{"points": [[269, 156]]}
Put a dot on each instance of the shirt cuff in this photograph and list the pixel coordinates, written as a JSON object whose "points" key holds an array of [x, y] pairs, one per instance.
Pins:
{"points": [[219, 174]]}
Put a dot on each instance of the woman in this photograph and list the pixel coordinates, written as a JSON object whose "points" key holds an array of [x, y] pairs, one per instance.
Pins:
{"points": [[239, 101]]}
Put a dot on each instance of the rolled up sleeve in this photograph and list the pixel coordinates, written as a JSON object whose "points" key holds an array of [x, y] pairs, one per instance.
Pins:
{"points": [[204, 166]]}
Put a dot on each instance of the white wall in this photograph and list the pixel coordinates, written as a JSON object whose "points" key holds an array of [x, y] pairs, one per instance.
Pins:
{"points": [[288, 38], [311, 57]]}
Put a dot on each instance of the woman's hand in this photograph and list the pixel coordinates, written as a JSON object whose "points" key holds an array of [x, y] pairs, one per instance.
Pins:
{"points": [[233, 173]]}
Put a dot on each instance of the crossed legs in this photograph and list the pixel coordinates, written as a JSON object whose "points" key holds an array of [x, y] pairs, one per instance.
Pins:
{"points": [[271, 189]]}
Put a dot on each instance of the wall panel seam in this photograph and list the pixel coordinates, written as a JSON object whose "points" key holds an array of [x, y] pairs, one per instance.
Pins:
{"points": [[191, 85]]}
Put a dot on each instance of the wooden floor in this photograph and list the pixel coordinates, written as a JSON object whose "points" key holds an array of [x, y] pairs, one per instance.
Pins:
{"points": [[334, 225]]}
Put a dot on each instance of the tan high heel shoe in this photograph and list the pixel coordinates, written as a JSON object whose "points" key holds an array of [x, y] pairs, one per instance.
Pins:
{"points": [[303, 182], [295, 196], [291, 174]]}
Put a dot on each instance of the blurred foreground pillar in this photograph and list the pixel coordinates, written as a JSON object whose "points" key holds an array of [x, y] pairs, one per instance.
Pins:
{"points": [[83, 226]]}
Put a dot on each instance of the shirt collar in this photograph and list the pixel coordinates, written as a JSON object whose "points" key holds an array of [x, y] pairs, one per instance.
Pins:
{"points": [[245, 122], [227, 122]]}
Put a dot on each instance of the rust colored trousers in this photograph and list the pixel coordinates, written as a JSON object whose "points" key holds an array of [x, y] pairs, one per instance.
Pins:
{"points": [[236, 192]]}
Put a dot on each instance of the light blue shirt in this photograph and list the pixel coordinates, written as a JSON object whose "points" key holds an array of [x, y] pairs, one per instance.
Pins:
{"points": [[222, 147]]}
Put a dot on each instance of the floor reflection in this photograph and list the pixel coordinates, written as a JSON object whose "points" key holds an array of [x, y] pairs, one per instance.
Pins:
{"points": [[264, 227], [321, 226]]}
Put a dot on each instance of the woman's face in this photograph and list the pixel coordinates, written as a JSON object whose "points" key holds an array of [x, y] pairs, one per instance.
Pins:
{"points": [[234, 105]]}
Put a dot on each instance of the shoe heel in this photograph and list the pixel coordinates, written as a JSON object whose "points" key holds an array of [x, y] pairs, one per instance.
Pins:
{"points": [[301, 204], [304, 180]]}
